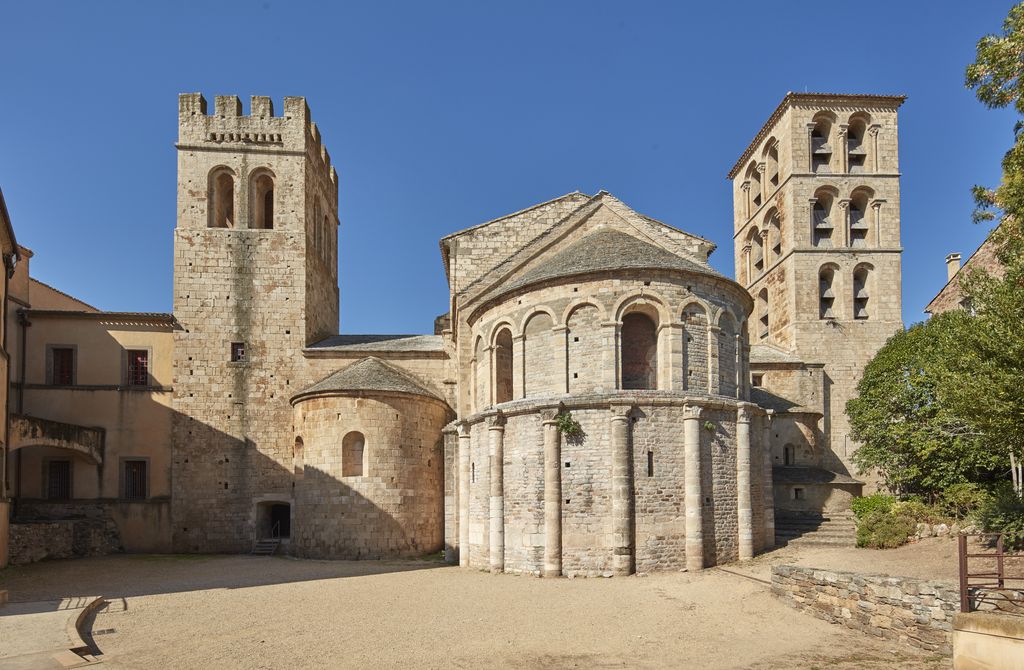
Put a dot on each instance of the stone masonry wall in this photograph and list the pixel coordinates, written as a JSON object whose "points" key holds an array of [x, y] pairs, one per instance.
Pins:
{"points": [[917, 612]]}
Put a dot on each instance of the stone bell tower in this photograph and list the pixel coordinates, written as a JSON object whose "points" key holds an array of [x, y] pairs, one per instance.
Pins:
{"points": [[817, 243], [255, 280]]}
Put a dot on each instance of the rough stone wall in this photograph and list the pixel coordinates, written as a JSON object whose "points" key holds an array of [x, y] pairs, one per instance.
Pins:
{"points": [[695, 349], [583, 349], [586, 470], [660, 491], [524, 494], [917, 612], [396, 507], [450, 439], [231, 429], [73, 538], [718, 460], [479, 498], [543, 373]]}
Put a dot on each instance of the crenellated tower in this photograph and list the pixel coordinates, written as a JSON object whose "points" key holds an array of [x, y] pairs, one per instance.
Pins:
{"points": [[255, 280], [817, 244]]}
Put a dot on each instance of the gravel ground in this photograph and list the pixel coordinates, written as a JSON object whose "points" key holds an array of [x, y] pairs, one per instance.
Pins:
{"points": [[250, 612]]}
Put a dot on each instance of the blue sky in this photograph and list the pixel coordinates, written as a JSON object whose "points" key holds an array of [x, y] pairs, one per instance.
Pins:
{"points": [[442, 115]]}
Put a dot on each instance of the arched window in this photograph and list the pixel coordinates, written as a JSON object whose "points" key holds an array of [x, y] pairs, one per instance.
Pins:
{"points": [[298, 458], [222, 199], [757, 262], [774, 250], [262, 209], [353, 448], [754, 178], [821, 150], [826, 294], [821, 220], [856, 147], [639, 338], [860, 292], [695, 349], [772, 164], [727, 355], [762, 314], [859, 228], [503, 366]]}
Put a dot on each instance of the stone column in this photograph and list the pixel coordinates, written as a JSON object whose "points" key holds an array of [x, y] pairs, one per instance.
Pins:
{"points": [[762, 168], [873, 131], [552, 497], [747, 265], [622, 492], [745, 187], [738, 363], [811, 202], [844, 217], [694, 495], [843, 148], [810, 147], [744, 509], [875, 239], [464, 459], [496, 437], [769, 493], [676, 356]]}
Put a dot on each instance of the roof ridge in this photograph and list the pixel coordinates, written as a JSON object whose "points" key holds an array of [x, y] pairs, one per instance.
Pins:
{"points": [[509, 216]]}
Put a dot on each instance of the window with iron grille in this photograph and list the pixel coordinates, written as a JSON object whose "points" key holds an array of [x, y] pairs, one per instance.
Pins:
{"points": [[138, 367], [237, 352], [58, 480], [134, 479], [62, 366]]}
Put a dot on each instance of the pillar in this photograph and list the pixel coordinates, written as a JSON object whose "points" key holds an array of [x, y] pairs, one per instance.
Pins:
{"points": [[763, 182], [769, 492], [691, 479], [464, 456], [843, 148], [844, 218], [622, 493], [552, 498], [744, 509], [518, 367], [496, 438]]}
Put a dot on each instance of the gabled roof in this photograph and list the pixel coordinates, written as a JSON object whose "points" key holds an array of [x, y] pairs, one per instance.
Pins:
{"points": [[868, 100], [607, 250], [382, 343], [367, 375]]}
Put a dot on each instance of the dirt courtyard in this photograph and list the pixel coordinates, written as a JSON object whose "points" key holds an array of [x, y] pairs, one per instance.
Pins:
{"points": [[255, 612]]}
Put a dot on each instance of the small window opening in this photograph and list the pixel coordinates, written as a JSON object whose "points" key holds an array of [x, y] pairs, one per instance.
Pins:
{"points": [[352, 454], [238, 352], [798, 493], [135, 480], [62, 366], [472, 473], [788, 455], [138, 367], [58, 480], [650, 463], [757, 380]]}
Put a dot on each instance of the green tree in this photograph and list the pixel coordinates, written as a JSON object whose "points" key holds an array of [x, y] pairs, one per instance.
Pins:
{"points": [[907, 434], [983, 381]]}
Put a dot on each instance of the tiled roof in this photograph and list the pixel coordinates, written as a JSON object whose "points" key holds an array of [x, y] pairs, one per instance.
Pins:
{"points": [[368, 375], [382, 343], [763, 353], [607, 250]]}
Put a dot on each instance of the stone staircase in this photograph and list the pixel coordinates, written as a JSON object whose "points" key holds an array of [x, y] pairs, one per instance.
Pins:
{"points": [[266, 547], [831, 530]]}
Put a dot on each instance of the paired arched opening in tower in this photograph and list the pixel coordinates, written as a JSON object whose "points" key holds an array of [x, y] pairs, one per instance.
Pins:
{"points": [[771, 164], [762, 314], [821, 147], [353, 454], [857, 149], [860, 228], [773, 225], [822, 225], [639, 351], [861, 291], [221, 198], [261, 204], [502, 352], [757, 261], [826, 292], [754, 180]]}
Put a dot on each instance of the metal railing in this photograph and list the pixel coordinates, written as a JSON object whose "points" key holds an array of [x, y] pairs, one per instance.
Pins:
{"points": [[998, 584]]}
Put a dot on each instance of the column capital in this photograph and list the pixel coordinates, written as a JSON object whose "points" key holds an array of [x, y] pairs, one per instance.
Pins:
{"points": [[692, 411], [761, 167], [620, 412], [547, 416], [844, 203], [744, 413], [463, 428], [873, 129], [811, 125], [747, 247], [496, 422], [745, 186], [877, 203]]}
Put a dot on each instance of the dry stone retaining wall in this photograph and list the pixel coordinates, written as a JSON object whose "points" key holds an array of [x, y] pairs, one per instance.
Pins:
{"points": [[917, 612]]}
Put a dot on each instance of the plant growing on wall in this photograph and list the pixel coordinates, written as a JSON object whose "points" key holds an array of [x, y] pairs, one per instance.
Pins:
{"points": [[569, 427], [709, 426]]}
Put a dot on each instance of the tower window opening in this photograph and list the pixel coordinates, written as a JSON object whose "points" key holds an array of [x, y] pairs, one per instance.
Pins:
{"points": [[222, 200], [762, 313], [821, 151], [856, 153], [822, 224], [353, 447], [238, 352], [826, 296], [263, 202], [772, 165], [860, 293], [858, 223]]}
